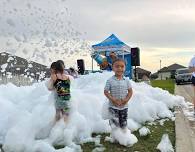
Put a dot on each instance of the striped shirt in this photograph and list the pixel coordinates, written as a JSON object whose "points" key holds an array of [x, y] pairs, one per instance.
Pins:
{"points": [[118, 89]]}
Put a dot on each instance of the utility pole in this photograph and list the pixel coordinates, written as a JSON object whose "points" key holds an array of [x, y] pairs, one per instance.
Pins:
{"points": [[160, 71]]}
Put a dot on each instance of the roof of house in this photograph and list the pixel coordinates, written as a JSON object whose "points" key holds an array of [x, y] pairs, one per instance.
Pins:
{"points": [[172, 67], [140, 70]]}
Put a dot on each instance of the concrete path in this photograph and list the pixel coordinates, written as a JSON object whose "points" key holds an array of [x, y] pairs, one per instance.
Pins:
{"points": [[185, 122]]}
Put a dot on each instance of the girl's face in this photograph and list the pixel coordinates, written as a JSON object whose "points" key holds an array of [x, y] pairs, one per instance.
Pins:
{"points": [[119, 68]]}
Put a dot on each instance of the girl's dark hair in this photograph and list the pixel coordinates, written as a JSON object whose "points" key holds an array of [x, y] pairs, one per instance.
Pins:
{"points": [[61, 62], [59, 67], [53, 65], [117, 60]]}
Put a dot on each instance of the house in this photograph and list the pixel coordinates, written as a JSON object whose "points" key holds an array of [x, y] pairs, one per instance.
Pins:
{"points": [[154, 75], [169, 72], [141, 73]]}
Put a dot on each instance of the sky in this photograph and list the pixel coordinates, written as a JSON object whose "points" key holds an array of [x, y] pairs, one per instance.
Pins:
{"points": [[163, 30]]}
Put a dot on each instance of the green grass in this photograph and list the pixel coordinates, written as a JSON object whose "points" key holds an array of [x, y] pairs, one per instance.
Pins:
{"points": [[144, 144], [168, 85]]}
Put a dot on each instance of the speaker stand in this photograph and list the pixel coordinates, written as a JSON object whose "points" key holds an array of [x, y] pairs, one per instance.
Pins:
{"points": [[135, 74]]}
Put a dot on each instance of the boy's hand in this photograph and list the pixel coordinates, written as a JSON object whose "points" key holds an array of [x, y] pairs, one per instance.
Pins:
{"points": [[123, 101], [118, 102], [127, 98]]}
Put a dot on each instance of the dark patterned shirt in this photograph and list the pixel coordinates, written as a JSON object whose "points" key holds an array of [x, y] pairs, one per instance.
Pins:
{"points": [[63, 89]]}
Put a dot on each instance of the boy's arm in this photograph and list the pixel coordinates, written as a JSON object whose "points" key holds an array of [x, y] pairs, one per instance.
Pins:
{"points": [[128, 97], [110, 97]]}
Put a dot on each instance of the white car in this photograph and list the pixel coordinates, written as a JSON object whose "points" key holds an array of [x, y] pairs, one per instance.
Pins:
{"points": [[183, 75]]}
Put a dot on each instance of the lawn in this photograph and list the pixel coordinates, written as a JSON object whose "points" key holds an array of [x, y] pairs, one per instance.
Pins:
{"points": [[150, 142], [144, 144], [168, 85]]}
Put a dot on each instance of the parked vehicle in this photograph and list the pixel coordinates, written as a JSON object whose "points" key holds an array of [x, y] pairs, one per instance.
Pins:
{"points": [[183, 76]]}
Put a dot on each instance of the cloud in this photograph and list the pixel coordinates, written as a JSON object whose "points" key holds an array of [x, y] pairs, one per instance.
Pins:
{"points": [[149, 23], [162, 29]]}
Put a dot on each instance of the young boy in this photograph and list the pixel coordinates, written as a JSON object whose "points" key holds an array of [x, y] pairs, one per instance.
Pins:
{"points": [[118, 90]]}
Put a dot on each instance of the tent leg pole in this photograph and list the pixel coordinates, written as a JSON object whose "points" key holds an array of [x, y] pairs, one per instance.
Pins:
{"points": [[92, 64]]}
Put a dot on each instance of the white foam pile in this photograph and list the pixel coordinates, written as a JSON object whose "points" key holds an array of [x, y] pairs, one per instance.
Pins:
{"points": [[165, 144], [27, 114], [189, 111], [144, 131]]}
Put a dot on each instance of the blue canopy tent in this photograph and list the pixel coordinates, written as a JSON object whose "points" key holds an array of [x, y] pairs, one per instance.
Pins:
{"points": [[113, 44]]}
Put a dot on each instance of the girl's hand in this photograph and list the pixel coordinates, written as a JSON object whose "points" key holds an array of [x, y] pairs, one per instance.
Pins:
{"points": [[53, 77]]}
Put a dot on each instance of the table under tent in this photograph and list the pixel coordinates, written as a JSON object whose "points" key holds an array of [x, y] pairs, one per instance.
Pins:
{"points": [[112, 44]]}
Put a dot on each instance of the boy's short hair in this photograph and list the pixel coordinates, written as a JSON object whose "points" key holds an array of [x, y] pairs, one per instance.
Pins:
{"points": [[117, 60], [112, 53]]}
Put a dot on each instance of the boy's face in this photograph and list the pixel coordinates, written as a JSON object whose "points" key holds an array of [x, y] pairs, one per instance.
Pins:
{"points": [[119, 68], [112, 55]]}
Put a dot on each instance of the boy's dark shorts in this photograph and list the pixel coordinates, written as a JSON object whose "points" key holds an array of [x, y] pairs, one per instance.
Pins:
{"points": [[193, 80], [119, 117]]}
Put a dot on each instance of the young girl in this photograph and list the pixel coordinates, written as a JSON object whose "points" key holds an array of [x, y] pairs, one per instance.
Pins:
{"points": [[60, 82]]}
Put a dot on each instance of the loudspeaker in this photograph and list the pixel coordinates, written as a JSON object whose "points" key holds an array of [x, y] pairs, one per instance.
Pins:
{"points": [[81, 66], [135, 56]]}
